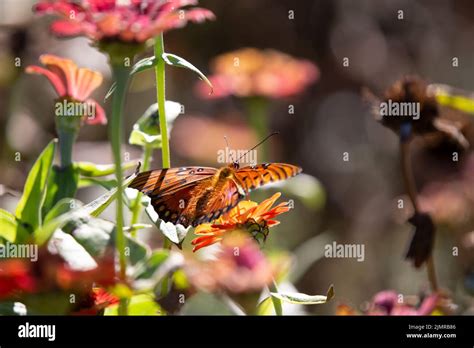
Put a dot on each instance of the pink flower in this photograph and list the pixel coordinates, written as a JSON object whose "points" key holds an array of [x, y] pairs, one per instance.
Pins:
{"points": [[386, 303], [71, 83], [121, 20]]}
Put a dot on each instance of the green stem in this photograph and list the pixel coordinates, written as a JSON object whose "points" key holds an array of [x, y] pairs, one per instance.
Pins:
{"points": [[276, 302], [67, 139], [165, 147], [160, 96], [121, 74], [136, 205]]}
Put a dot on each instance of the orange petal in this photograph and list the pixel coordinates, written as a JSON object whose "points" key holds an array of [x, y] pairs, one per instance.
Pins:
{"points": [[86, 81], [65, 68]]}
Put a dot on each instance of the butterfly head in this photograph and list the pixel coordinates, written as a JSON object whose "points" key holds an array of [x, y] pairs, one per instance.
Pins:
{"points": [[234, 165]]}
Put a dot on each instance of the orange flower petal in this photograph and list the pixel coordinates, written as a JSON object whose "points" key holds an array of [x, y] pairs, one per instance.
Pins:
{"points": [[86, 82], [65, 68]]}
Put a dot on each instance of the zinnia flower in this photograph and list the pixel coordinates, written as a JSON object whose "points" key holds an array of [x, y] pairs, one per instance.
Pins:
{"points": [[239, 267], [387, 302], [250, 72], [133, 21], [249, 216], [72, 84]]}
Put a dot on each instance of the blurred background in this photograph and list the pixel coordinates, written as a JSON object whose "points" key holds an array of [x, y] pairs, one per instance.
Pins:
{"points": [[330, 118]]}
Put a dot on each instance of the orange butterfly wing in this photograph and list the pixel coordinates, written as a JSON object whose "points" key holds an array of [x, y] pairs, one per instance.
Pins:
{"points": [[225, 196], [171, 190], [252, 177]]}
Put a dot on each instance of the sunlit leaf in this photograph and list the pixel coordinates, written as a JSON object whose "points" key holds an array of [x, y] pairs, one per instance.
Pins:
{"points": [[73, 253], [143, 64], [94, 170], [29, 208], [142, 304], [8, 226], [146, 131], [304, 299]]}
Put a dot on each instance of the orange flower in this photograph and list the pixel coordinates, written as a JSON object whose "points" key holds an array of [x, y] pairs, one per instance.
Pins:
{"points": [[72, 83], [247, 215], [250, 72]]}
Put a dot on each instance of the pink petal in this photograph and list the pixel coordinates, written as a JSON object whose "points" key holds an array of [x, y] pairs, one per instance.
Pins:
{"points": [[66, 28], [99, 117], [53, 78]]}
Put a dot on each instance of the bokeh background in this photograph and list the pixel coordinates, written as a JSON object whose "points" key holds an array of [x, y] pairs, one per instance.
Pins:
{"points": [[330, 118]]}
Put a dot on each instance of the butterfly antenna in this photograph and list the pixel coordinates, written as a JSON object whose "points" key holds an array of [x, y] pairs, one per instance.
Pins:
{"points": [[227, 143], [260, 143]]}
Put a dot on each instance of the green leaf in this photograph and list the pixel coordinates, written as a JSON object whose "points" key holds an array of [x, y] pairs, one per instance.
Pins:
{"points": [[303, 299], [175, 233], [174, 60], [142, 304], [8, 226], [63, 206], [73, 253], [94, 170], [62, 183], [143, 64], [93, 208], [97, 206], [107, 184], [152, 264], [146, 131], [29, 208], [93, 234]]}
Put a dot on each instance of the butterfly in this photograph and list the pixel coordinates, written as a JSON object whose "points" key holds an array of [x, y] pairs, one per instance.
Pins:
{"points": [[191, 196]]}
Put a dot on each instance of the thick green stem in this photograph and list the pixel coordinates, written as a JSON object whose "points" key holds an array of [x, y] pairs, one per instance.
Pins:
{"points": [[136, 205], [121, 74], [67, 139]]}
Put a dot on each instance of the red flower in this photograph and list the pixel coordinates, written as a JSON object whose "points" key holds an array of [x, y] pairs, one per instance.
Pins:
{"points": [[15, 277], [121, 20], [71, 83]]}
